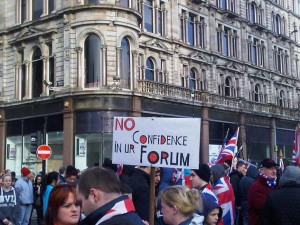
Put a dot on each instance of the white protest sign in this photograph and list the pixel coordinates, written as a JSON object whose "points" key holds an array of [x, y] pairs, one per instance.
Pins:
{"points": [[149, 141]]}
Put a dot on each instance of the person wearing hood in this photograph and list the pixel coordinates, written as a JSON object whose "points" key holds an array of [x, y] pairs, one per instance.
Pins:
{"points": [[245, 183], [265, 183], [283, 205], [9, 202], [179, 205], [212, 212], [224, 192]]}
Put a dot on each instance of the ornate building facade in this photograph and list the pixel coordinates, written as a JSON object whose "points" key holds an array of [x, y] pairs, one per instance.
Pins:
{"points": [[68, 67]]}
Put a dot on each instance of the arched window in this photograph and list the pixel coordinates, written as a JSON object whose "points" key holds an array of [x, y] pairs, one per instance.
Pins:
{"points": [[252, 12], [149, 73], [92, 54], [37, 73], [148, 15], [125, 63], [227, 86], [277, 24], [256, 92], [192, 79], [281, 98]]}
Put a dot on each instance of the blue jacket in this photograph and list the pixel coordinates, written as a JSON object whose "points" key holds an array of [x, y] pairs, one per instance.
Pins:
{"points": [[46, 197]]}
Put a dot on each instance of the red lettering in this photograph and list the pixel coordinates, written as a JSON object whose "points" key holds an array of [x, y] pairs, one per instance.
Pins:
{"points": [[128, 124]]}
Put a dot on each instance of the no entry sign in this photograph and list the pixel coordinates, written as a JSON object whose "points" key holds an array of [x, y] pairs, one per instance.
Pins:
{"points": [[43, 152]]}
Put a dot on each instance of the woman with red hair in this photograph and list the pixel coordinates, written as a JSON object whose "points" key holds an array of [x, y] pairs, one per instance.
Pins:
{"points": [[63, 207]]}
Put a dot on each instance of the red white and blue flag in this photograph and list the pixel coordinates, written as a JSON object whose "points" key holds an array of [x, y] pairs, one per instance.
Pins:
{"points": [[225, 194], [227, 153], [295, 157]]}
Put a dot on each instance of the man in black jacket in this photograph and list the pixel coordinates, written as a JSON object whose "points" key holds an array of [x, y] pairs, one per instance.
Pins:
{"points": [[99, 190], [283, 205]]}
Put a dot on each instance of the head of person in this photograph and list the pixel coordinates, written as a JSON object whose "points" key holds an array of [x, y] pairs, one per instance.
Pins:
{"points": [[32, 176], [38, 179], [51, 178], [26, 173], [63, 206], [62, 170], [7, 171], [290, 176], [126, 190], [96, 187], [71, 174], [107, 163], [200, 177], [6, 180], [217, 171], [269, 168], [241, 167], [157, 176], [13, 175], [212, 212], [178, 203]]}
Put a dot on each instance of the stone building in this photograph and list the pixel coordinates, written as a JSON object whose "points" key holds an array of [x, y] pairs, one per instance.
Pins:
{"points": [[68, 67]]}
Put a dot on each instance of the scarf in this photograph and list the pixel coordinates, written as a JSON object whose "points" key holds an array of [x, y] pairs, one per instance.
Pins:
{"points": [[271, 182], [119, 208]]}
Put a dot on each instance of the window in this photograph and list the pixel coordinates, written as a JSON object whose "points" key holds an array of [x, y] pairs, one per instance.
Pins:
{"points": [[149, 73], [254, 13], [124, 60], [257, 93], [281, 98], [51, 6], [256, 51], [92, 53], [184, 75], [280, 60], [91, 2], [154, 16], [192, 79], [227, 41], [278, 24], [297, 66], [51, 66], [228, 86], [192, 29], [163, 71], [124, 3], [226, 5], [23, 10], [37, 9], [37, 73]]}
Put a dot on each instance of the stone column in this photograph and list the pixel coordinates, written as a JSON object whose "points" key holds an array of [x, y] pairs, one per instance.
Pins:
{"points": [[243, 136], [273, 143], [204, 139], [68, 142], [2, 138], [28, 85], [80, 73]]}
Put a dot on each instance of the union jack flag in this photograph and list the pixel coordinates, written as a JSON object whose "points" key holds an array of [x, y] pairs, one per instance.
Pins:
{"points": [[295, 157], [228, 151], [224, 192]]}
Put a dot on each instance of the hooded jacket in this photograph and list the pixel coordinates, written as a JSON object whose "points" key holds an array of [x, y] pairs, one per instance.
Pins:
{"points": [[9, 205]]}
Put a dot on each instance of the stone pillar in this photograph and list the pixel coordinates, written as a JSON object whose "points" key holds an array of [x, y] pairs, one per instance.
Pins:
{"points": [[27, 91], [136, 106], [204, 139], [2, 138], [104, 69], [80, 74], [243, 136], [68, 142], [273, 143]]}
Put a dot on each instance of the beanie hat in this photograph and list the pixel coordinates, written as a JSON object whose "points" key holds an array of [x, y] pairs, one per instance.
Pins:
{"points": [[203, 172], [25, 171], [291, 175]]}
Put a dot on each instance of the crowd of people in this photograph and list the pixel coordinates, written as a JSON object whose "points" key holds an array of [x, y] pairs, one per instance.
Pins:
{"points": [[112, 195]]}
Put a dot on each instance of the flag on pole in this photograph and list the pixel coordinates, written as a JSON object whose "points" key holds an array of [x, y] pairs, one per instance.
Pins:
{"points": [[281, 164], [227, 153], [295, 157]]}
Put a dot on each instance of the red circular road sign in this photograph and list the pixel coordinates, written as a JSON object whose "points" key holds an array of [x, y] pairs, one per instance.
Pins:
{"points": [[43, 152]]}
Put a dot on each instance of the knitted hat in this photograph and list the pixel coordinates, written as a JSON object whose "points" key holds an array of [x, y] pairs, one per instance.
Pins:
{"points": [[25, 171], [290, 175], [203, 172]]}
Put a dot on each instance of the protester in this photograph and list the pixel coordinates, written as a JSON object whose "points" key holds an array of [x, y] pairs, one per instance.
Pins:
{"points": [[48, 182], [71, 175], [212, 212], [24, 188], [63, 206], [61, 172], [99, 190], [13, 178], [245, 183], [283, 205], [235, 178], [224, 192], [179, 204], [200, 180], [157, 179], [9, 202], [264, 184], [139, 182], [37, 197]]}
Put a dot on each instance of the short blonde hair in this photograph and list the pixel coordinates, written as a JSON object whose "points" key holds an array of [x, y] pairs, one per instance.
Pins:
{"points": [[187, 200]]}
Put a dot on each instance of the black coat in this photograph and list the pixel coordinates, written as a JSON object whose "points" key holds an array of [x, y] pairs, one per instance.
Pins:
{"points": [[235, 178], [283, 206], [139, 182]]}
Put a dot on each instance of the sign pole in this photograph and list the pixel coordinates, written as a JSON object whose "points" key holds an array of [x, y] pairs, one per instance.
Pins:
{"points": [[152, 197]]}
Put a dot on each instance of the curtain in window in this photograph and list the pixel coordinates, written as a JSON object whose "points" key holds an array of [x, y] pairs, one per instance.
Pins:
{"points": [[37, 73]]}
